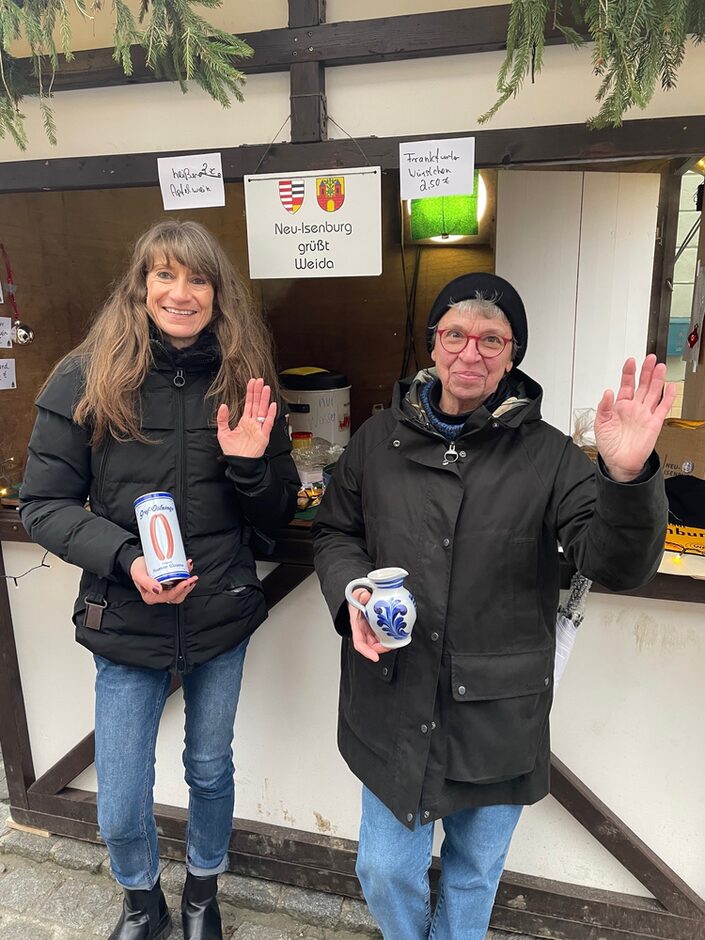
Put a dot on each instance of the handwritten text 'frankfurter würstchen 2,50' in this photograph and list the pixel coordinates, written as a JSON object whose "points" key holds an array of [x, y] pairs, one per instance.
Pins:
{"points": [[437, 167]]}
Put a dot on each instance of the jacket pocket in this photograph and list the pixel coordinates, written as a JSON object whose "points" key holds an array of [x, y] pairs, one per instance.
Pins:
{"points": [[498, 714], [369, 698]]}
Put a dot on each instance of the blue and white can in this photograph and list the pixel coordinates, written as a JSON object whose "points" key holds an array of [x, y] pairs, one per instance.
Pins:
{"points": [[161, 539]]}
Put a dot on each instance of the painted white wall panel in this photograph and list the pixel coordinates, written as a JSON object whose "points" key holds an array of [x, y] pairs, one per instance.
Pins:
{"points": [[538, 232], [146, 118], [449, 93], [617, 244], [338, 11]]}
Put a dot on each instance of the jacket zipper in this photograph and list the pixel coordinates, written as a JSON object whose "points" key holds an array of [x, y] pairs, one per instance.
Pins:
{"points": [[179, 382]]}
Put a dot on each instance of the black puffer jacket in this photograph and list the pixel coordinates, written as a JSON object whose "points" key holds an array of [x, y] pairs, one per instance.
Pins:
{"points": [[460, 716], [218, 500]]}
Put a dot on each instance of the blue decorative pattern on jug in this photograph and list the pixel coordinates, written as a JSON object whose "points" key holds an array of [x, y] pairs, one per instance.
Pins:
{"points": [[390, 617]]}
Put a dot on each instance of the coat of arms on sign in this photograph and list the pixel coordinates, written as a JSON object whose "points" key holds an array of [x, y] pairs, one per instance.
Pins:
{"points": [[291, 194], [330, 192]]}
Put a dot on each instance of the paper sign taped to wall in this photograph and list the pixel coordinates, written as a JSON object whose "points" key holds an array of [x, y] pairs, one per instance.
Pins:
{"points": [[7, 373], [5, 332], [191, 182], [437, 168]]}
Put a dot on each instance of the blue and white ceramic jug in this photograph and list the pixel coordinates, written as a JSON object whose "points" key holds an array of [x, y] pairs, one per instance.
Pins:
{"points": [[391, 610]]}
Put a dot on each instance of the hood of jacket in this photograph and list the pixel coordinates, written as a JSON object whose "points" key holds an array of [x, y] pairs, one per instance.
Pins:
{"points": [[522, 403]]}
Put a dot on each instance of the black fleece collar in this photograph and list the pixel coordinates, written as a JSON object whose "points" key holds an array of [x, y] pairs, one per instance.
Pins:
{"points": [[200, 356]]}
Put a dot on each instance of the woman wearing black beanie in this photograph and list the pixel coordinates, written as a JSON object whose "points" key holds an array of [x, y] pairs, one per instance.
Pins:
{"points": [[464, 485]]}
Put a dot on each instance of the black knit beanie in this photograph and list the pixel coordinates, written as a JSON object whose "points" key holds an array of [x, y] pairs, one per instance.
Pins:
{"points": [[491, 287]]}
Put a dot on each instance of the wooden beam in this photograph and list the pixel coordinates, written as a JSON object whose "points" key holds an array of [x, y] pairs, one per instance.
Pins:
{"points": [[548, 902], [524, 903], [307, 12], [610, 831], [282, 581], [385, 39], [664, 257], [694, 389], [508, 147], [14, 732], [307, 79]]}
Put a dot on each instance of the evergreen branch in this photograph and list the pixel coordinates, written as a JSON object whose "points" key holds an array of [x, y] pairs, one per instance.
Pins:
{"points": [[637, 44], [126, 35], [47, 119], [179, 44]]}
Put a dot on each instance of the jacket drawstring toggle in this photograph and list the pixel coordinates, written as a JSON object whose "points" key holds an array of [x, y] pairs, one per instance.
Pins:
{"points": [[451, 455]]}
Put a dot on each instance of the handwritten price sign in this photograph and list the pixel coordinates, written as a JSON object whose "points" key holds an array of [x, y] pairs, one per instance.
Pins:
{"points": [[191, 182], [7, 373], [5, 334], [437, 167]]}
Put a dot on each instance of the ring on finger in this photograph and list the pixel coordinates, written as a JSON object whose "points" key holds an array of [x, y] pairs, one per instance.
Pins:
{"points": [[261, 419]]}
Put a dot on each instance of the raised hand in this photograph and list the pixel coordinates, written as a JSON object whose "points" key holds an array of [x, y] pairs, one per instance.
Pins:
{"points": [[249, 438], [626, 428]]}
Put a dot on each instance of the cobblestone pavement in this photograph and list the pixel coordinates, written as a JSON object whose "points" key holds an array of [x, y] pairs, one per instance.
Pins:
{"points": [[61, 889]]}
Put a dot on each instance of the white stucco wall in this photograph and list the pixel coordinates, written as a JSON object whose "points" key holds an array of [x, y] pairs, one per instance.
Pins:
{"points": [[423, 96]]}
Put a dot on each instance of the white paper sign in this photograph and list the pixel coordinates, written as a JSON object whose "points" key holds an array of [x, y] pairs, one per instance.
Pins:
{"points": [[5, 332], [7, 373], [316, 223], [191, 182], [437, 167]]}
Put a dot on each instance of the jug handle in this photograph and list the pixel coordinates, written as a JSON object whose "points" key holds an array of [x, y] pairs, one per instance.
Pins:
{"points": [[353, 586]]}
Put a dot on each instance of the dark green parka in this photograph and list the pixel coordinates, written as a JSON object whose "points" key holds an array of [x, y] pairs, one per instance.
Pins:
{"points": [[460, 716], [218, 500]]}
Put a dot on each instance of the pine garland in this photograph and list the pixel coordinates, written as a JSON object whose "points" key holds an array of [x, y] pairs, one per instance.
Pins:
{"points": [[637, 43], [179, 45]]}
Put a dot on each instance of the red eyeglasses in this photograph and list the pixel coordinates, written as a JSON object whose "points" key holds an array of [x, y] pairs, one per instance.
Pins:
{"points": [[488, 345]]}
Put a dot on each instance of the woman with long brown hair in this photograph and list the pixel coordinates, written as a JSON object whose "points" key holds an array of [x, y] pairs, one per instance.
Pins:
{"points": [[172, 390]]}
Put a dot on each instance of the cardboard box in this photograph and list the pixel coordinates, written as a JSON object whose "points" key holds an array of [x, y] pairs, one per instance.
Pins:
{"points": [[681, 447]]}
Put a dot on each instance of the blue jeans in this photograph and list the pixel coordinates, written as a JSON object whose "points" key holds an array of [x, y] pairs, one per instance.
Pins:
{"points": [[129, 706], [393, 864]]}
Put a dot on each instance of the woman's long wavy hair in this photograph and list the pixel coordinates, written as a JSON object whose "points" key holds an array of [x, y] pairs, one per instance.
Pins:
{"points": [[117, 355]]}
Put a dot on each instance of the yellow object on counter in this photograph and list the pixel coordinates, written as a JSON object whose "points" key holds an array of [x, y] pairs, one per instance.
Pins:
{"points": [[685, 538]]}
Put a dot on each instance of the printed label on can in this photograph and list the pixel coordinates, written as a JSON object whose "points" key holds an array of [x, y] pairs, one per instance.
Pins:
{"points": [[160, 535]]}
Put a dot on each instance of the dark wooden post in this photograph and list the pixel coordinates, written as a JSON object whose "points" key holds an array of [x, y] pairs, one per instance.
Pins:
{"points": [[664, 256], [14, 732], [694, 390], [308, 79]]}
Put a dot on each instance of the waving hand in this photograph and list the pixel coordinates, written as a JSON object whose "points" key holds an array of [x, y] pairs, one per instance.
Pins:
{"points": [[626, 427], [250, 436]]}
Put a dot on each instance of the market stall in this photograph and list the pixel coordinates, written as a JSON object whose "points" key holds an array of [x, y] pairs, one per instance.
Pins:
{"points": [[617, 849]]}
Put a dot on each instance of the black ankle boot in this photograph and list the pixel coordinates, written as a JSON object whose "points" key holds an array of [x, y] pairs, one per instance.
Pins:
{"points": [[200, 915], [145, 916]]}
